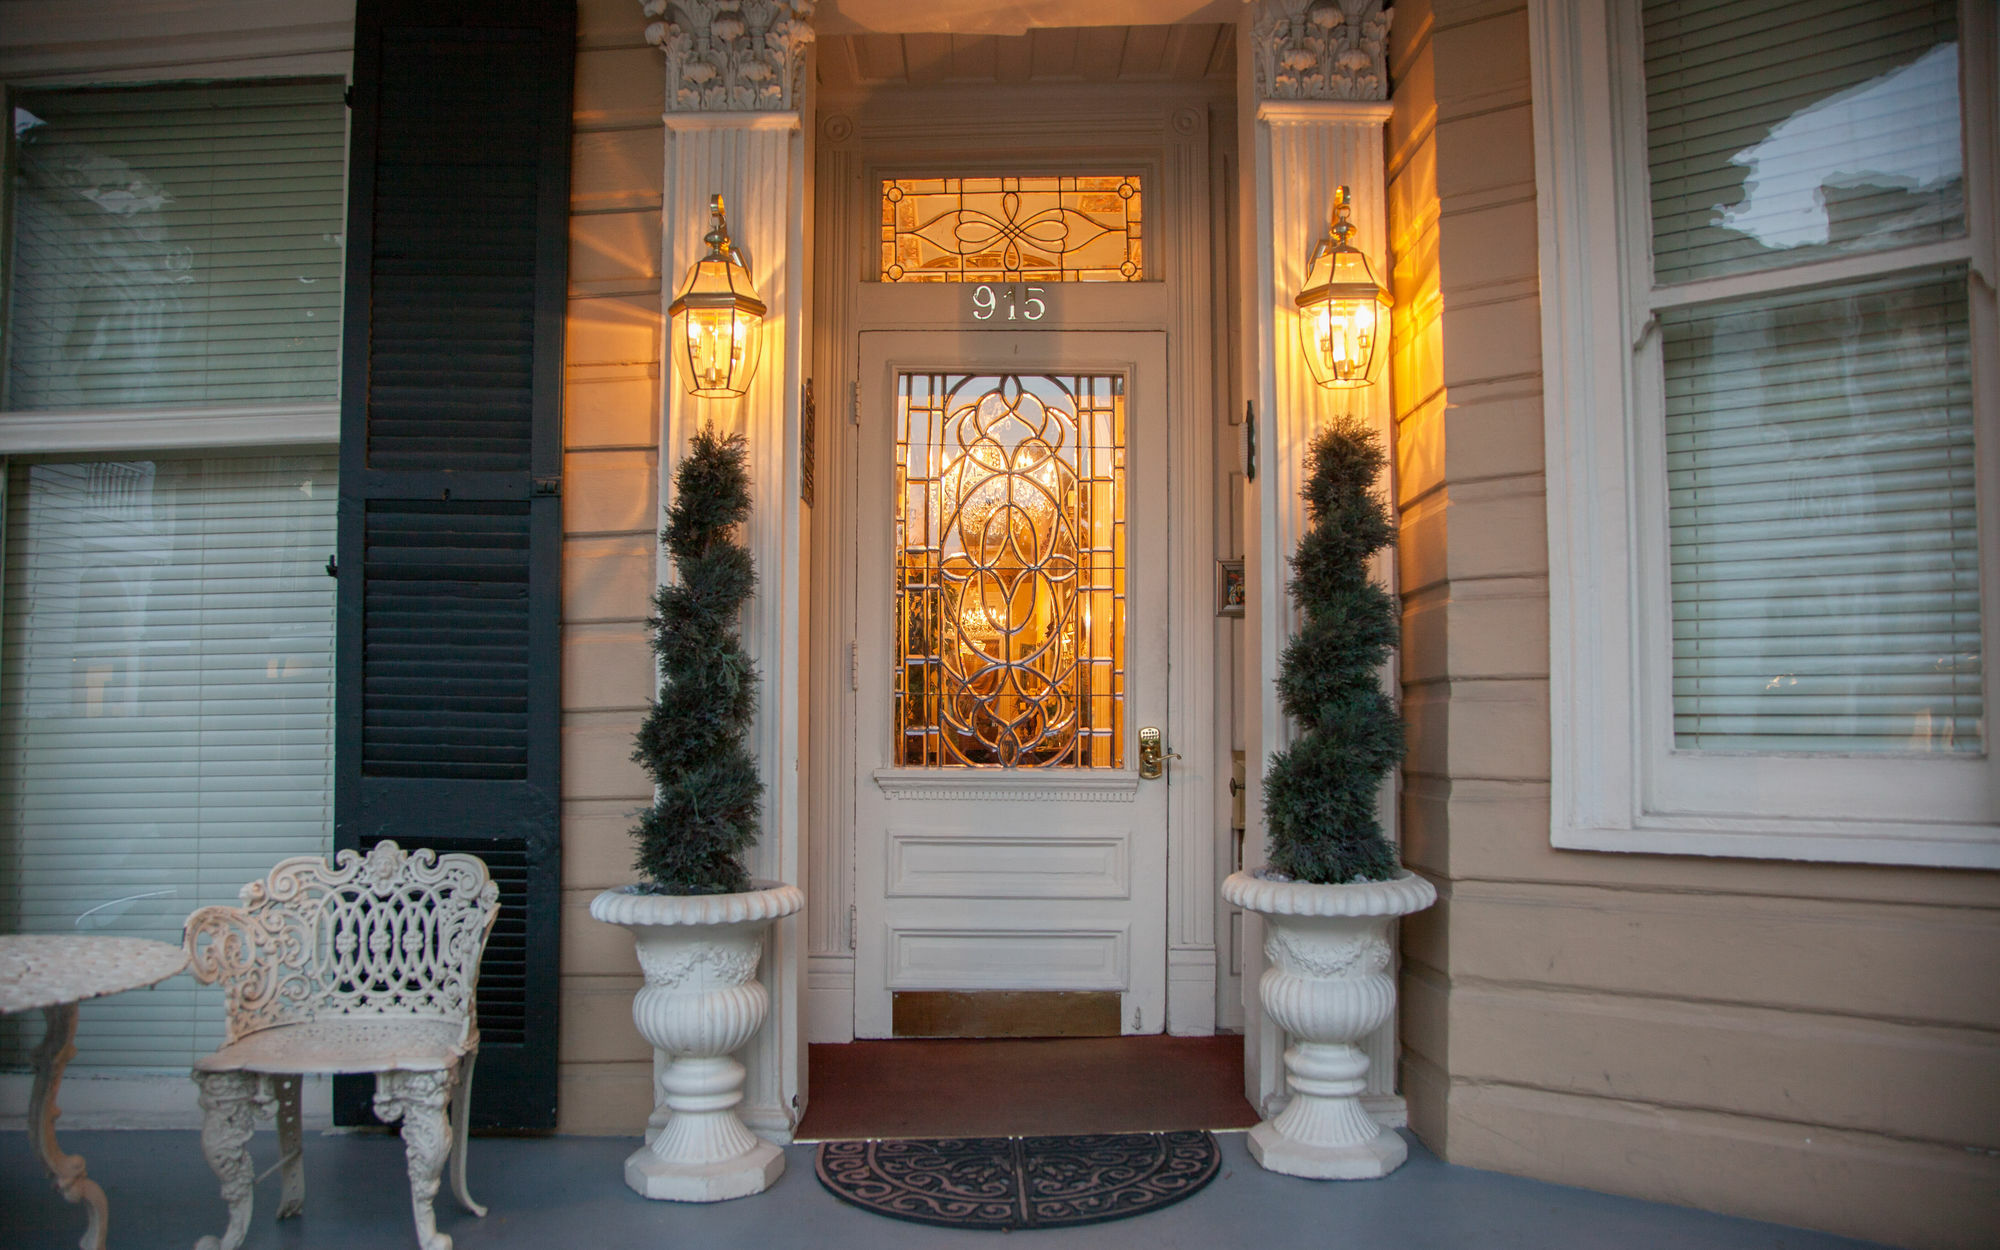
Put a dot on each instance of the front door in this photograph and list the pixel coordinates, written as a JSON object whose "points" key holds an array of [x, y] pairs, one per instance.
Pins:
{"points": [[1010, 848]]}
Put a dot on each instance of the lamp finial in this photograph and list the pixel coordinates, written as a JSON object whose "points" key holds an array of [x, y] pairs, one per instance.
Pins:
{"points": [[717, 237], [1343, 208]]}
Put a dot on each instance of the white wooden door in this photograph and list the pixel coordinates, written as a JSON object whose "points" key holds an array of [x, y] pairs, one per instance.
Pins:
{"points": [[1012, 645]]}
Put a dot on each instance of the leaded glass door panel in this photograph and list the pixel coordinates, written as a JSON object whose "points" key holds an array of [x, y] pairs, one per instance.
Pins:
{"points": [[1010, 570], [1012, 643]]}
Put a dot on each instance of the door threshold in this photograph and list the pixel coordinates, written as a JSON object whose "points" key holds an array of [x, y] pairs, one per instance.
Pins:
{"points": [[967, 1087], [976, 1014]]}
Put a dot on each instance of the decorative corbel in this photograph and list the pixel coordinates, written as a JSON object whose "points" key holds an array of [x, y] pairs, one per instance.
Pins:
{"points": [[732, 56], [1321, 50]]}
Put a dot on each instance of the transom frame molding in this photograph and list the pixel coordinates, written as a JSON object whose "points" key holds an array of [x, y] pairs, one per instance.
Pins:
{"points": [[732, 56], [1321, 49]]}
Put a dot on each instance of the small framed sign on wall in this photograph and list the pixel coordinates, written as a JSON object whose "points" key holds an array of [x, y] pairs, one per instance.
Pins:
{"points": [[1229, 588]]}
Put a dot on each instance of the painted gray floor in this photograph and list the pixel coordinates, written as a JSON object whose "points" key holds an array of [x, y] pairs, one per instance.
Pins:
{"points": [[566, 1193]]}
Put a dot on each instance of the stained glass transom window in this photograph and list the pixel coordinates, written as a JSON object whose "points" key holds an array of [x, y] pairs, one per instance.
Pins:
{"points": [[1061, 228], [1010, 571]]}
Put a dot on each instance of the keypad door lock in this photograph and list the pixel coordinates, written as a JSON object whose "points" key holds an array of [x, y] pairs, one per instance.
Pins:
{"points": [[1152, 754]]}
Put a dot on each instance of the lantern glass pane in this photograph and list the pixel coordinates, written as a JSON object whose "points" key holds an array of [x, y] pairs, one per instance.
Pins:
{"points": [[718, 351], [716, 336], [1338, 338]]}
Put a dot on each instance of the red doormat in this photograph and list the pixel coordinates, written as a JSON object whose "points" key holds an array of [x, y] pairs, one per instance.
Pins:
{"points": [[1011, 1088], [1000, 1184]]}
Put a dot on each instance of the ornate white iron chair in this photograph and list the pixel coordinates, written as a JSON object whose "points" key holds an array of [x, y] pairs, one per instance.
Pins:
{"points": [[366, 965]]}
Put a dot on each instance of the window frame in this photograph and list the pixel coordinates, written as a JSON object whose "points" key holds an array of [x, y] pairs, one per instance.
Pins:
{"points": [[54, 47], [1616, 781]]}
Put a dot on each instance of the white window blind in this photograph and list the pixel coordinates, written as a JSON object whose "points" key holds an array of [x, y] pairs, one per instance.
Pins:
{"points": [[1822, 528], [176, 246], [1824, 533], [1784, 131], [166, 707]]}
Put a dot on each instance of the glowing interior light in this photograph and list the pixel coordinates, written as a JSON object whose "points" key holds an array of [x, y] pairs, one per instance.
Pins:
{"points": [[1010, 571]]}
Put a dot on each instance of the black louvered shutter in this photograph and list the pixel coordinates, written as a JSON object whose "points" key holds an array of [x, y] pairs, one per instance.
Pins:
{"points": [[450, 526]]}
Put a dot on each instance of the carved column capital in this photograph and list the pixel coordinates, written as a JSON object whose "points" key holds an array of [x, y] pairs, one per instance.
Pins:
{"points": [[1321, 49], [732, 56]]}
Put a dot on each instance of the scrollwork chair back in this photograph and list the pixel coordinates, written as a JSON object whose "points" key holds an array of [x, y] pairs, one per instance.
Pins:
{"points": [[392, 933], [352, 966]]}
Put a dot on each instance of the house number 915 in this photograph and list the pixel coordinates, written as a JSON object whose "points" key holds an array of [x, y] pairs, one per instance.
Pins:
{"points": [[1022, 303]]}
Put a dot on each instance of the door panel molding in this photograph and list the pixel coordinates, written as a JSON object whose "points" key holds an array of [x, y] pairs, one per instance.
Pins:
{"points": [[992, 959], [930, 863], [1121, 786]]}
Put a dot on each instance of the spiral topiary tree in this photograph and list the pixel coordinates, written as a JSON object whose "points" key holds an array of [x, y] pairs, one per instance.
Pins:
{"points": [[704, 815], [1319, 792]]}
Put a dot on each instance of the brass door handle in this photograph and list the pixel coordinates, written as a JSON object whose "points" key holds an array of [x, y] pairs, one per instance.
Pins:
{"points": [[1152, 754]]}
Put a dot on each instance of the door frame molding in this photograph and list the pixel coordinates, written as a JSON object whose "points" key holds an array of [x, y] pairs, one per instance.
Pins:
{"points": [[1163, 133]]}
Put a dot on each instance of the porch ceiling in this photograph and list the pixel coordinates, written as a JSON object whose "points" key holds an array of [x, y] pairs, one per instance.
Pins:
{"points": [[1066, 54]]}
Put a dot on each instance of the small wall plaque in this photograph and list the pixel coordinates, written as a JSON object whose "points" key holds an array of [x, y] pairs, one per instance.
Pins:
{"points": [[1229, 588], [808, 438]]}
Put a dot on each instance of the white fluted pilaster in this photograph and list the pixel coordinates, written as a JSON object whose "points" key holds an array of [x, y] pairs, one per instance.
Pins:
{"points": [[1301, 150], [757, 163]]}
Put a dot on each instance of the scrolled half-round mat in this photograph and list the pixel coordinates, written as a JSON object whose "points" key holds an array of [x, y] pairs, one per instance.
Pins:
{"points": [[1005, 1183]]}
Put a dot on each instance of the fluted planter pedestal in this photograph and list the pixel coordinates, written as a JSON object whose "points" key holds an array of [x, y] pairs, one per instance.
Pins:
{"points": [[701, 1002], [1328, 986]]}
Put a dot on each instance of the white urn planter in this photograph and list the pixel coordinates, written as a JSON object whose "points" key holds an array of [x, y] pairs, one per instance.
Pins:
{"points": [[1328, 986], [700, 1004]]}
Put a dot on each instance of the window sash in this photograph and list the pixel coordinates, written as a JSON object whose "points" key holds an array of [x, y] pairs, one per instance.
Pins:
{"points": [[1721, 140], [1854, 794], [166, 708], [1823, 549], [177, 245]]}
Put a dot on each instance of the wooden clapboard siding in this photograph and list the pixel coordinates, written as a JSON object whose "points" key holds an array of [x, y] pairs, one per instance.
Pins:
{"points": [[447, 722], [1812, 1044], [612, 406]]}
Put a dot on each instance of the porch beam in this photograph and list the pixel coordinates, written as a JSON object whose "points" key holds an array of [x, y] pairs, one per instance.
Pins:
{"points": [[1009, 17]]}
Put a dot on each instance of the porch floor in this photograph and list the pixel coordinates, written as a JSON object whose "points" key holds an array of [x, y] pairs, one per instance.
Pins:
{"points": [[568, 1191]]}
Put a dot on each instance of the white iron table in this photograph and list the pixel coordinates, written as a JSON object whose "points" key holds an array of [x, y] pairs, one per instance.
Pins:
{"points": [[55, 972]]}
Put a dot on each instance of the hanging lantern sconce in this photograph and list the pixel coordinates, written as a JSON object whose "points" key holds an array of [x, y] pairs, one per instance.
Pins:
{"points": [[718, 318], [1343, 311]]}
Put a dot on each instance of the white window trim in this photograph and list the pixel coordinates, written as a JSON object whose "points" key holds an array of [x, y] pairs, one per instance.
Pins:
{"points": [[1613, 779], [91, 430], [64, 45], [51, 45]]}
